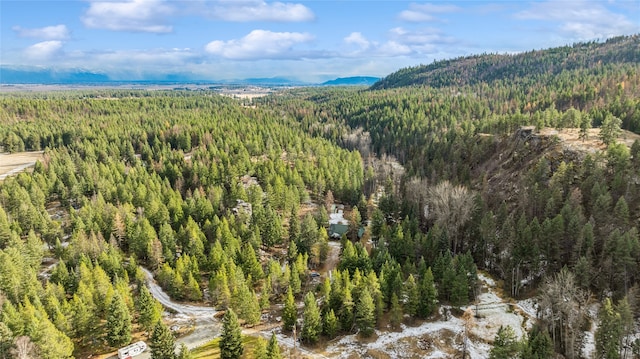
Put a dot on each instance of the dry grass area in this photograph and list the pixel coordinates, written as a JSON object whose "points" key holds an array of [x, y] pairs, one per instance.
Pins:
{"points": [[570, 138], [211, 350], [14, 163], [247, 93]]}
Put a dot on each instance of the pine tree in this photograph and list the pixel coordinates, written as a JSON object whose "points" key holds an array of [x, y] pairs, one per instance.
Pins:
{"points": [[219, 287], [610, 129], [428, 295], [325, 291], [264, 302], [346, 313], [51, 342], [294, 228], [273, 350], [585, 125], [365, 314], [231, 346], [5, 230], [626, 324], [149, 308], [118, 322], [311, 326], [162, 342], [459, 289], [294, 280], [539, 345], [413, 296], [192, 288], [252, 309], [6, 340], [289, 313], [355, 220], [260, 348], [185, 353], [395, 312], [609, 332], [330, 325], [81, 318], [505, 345], [308, 234], [250, 263]]}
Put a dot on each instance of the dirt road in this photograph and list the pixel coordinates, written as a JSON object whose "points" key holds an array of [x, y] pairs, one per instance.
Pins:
{"points": [[333, 258], [206, 326]]}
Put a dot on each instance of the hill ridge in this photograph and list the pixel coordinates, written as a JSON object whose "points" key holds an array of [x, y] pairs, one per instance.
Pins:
{"points": [[473, 69]]}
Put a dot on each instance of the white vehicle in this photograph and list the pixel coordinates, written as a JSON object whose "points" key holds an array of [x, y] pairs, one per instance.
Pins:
{"points": [[132, 350]]}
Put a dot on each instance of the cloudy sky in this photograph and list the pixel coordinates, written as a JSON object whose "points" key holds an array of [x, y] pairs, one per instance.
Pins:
{"points": [[306, 40]]}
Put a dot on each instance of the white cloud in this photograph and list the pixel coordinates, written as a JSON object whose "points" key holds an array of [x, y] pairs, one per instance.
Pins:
{"points": [[257, 10], [259, 44], [44, 50], [130, 15], [401, 42], [357, 39], [393, 48], [424, 12], [57, 32], [160, 58], [580, 20], [429, 36]]}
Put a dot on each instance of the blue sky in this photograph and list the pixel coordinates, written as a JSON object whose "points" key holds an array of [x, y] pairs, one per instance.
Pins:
{"points": [[305, 40]]}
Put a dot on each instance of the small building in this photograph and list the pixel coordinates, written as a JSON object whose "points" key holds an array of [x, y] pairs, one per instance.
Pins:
{"points": [[337, 230], [338, 225]]}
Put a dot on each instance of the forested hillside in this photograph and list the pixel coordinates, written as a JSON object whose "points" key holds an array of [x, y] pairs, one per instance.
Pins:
{"points": [[545, 217], [229, 206], [525, 68]]}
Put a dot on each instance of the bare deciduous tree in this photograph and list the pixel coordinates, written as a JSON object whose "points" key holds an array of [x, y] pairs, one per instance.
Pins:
{"points": [[23, 348], [451, 207], [416, 191], [562, 309]]}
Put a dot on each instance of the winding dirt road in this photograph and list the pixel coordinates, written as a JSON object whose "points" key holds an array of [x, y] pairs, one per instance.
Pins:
{"points": [[206, 326]]}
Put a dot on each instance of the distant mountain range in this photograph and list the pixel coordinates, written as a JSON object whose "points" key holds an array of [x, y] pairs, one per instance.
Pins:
{"points": [[9, 75], [352, 81], [48, 76]]}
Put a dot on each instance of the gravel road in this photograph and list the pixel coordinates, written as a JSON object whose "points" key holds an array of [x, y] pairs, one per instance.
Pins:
{"points": [[206, 326]]}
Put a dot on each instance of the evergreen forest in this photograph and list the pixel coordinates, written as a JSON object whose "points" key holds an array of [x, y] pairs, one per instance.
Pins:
{"points": [[447, 173]]}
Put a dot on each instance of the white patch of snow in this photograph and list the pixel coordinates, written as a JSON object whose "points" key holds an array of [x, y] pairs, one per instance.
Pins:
{"points": [[488, 280], [589, 340], [528, 306], [337, 218]]}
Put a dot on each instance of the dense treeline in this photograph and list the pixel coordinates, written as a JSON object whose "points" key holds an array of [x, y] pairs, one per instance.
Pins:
{"points": [[155, 180], [522, 69], [210, 195], [537, 207]]}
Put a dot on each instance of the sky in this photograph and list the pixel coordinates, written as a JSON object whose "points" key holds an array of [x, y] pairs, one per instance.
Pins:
{"points": [[304, 40]]}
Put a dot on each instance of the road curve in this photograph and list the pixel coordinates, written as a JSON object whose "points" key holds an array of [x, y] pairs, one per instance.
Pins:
{"points": [[207, 327], [163, 298]]}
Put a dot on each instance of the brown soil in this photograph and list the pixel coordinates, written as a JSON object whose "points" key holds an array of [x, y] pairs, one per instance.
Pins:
{"points": [[570, 138], [333, 257]]}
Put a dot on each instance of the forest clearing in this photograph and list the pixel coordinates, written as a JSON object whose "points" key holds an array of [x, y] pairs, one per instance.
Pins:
{"points": [[14, 163]]}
